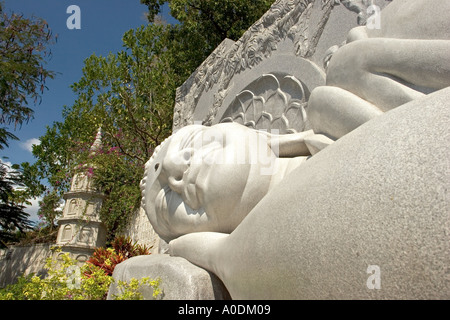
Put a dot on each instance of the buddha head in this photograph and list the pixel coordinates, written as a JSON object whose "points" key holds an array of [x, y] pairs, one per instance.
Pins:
{"points": [[208, 178]]}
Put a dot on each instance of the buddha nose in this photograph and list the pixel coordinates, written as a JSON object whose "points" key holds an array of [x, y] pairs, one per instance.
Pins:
{"points": [[175, 166]]}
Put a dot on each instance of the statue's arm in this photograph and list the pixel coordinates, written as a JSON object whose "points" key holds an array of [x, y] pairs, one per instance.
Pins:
{"points": [[200, 248], [289, 145]]}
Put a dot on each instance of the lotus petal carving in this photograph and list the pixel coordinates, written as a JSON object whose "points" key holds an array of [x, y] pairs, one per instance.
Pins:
{"points": [[270, 102]]}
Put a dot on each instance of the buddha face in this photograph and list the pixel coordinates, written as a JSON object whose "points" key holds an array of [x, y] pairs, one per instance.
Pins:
{"points": [[206, 179]]}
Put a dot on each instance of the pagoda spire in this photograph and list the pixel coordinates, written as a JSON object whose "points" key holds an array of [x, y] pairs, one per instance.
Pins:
{"points": [[97, 145]]}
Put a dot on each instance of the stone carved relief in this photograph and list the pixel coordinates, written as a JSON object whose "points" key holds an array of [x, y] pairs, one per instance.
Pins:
{"points": [[66, 233], [141, 231], [81, 208], [205, 77], [270, 102], [285, 19], [360, 7], [72, 208], [82, 258], [93, 208], [86, 235], [81, 182]]}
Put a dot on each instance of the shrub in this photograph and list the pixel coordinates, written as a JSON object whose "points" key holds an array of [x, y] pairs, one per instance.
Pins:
{"points": [[122, 248], [131, 290], [64, 281], [67, 281], [16, 291]]}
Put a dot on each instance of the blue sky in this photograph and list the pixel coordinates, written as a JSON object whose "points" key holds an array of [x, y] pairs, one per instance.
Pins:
{"points": [[103, 23]]}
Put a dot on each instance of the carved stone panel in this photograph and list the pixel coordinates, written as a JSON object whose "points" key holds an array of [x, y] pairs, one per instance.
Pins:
{"points": [[81, 182], [82, 258], [72, 207], [265, 40], [273, 101], [86, 236], [67, 233], [293, 38]]}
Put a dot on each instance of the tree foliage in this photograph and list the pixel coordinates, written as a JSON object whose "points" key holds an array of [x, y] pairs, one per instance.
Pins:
{"points": [[12, 217], [23, 50], [214, 20]]}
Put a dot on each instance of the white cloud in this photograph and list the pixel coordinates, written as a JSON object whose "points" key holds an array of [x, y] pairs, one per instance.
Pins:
{"points": [[9, 170], [28, 145], [33, 209], [7, 164]]}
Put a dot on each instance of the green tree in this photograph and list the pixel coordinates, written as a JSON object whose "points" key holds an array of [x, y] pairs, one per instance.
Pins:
{"points": [[12, 217], [204, 24], [23, 49], [215, 20]]}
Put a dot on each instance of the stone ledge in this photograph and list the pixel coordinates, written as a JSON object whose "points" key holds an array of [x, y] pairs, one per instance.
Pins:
{"points": [[180, 279]]}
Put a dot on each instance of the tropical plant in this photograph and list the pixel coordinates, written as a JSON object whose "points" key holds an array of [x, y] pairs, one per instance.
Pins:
{"points": [[122, 248]]}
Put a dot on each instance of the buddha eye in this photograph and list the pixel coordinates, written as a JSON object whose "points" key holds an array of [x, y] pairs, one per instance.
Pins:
{"points": [[156, 166]]}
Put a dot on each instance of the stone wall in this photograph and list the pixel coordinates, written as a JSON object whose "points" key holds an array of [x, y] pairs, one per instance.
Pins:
{"points": [[22, 260], [141, 231]]}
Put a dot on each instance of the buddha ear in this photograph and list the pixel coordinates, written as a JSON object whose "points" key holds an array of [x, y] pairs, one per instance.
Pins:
{"points": [[289, 145]]}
